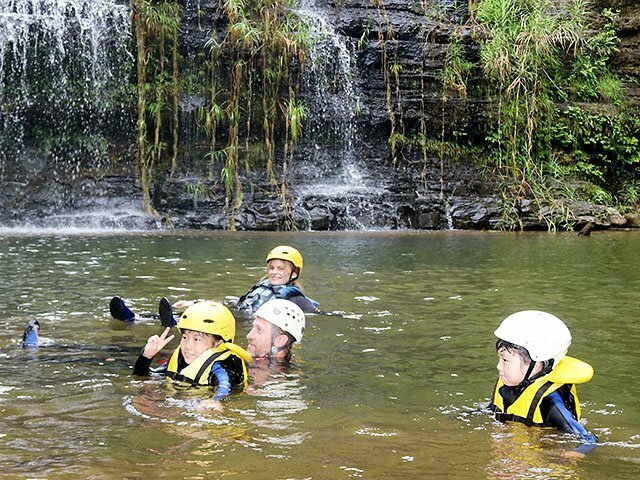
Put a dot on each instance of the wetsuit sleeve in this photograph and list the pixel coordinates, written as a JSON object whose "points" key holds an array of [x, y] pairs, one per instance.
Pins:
{"points": [[220, 377], [306, 304], [556, 414], [142, 366]]}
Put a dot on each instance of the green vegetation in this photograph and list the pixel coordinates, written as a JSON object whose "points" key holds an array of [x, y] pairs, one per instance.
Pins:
{"points": [[548, 74], [558, 127], [249, 77], [156, 26], [391, 70]]}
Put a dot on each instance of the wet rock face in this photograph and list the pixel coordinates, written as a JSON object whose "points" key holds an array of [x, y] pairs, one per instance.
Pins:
{"points": [[628, 59], [415, 195], [343, 175]]}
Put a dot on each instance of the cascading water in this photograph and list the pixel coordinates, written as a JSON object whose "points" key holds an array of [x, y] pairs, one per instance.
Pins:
{"points": [[65, 69], [332, 172]]}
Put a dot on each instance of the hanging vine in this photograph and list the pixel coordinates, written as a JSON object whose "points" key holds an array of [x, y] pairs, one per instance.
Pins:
{"points": [[294, 115], [156, 25], [391, 70], [252, 71], [256, 48]]}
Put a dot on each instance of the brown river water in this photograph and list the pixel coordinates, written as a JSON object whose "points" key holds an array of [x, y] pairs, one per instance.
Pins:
{"points": [[390, 381]]}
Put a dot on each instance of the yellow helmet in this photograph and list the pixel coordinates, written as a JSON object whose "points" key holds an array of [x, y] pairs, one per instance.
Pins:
{"points": [[283, 252], [209, 317]]}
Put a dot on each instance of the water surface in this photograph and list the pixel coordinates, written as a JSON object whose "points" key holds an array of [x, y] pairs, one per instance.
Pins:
{"points": [[389, 382]]}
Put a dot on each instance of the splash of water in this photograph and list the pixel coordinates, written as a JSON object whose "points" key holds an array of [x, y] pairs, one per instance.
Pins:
{"points": [[106, 216], [333, 101], [448, 217], [64, 75], [63, 69], [333, 172]]}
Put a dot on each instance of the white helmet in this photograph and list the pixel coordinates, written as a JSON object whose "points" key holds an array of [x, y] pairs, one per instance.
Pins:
{"points": [[544, 336], [284, 314]]}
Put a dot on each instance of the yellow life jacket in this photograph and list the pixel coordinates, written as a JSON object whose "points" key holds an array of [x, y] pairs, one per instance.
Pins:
{"points": [[526, 408], [197, 373]]}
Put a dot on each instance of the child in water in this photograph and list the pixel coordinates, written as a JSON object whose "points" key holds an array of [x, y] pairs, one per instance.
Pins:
{"points": [[206, 355], [537, 381], [284, 266]]}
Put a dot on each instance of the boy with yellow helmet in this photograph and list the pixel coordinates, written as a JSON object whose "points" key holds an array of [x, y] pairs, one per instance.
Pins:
{"points": [[206, 355], [537, 380], [284, 266]]}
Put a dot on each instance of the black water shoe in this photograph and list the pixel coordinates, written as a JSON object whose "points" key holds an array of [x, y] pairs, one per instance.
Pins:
{"points": [[120, 311], [166, 313]]}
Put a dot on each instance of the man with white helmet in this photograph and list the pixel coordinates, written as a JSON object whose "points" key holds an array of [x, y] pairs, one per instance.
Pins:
{"points": [[278, 324], [537, 381]]}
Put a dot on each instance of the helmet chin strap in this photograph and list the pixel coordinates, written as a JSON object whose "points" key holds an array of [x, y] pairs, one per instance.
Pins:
{"points": [[547, 366], [291, 275], [273, 351], [527, 380]]}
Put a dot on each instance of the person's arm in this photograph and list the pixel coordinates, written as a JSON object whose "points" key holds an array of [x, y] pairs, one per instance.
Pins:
{"points": [[556, 414], [295, 295], [220, 377], [155, 343], [142, 366], [306, 304]]}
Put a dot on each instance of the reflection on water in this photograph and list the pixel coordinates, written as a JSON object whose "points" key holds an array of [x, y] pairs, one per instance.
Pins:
{"points": [[390, 382], [521, 453], [279, 402]]}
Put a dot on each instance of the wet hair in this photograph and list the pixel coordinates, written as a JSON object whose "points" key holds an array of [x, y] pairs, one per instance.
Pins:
{"points": [[290, 341], [522, 352], [216, 338], [294, 269]]}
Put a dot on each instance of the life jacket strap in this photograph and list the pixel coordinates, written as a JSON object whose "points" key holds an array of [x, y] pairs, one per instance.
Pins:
{"points": [[196, 381], [536, 400]]}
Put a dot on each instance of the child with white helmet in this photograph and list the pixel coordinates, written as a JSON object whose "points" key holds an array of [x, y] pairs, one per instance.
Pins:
{"points": [[537, 380], [278, 324], [206, 355], [284, 266]]}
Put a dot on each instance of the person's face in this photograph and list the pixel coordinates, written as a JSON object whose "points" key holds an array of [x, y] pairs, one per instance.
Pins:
{"points": [[279, 271], [193, 344], [511, 367], [259, 338]]}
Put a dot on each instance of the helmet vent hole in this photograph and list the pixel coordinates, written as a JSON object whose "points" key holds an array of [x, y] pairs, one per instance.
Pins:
{"points": [[208, 321]]}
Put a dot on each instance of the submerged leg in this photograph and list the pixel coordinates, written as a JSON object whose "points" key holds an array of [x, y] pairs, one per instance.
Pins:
{"points": [[120, 311], [30, 335], [166, 313]]}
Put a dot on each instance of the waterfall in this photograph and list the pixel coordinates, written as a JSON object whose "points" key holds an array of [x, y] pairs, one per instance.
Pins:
{"points": [[65, 69], [332, 103], [332, 172], [448, 217]]}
